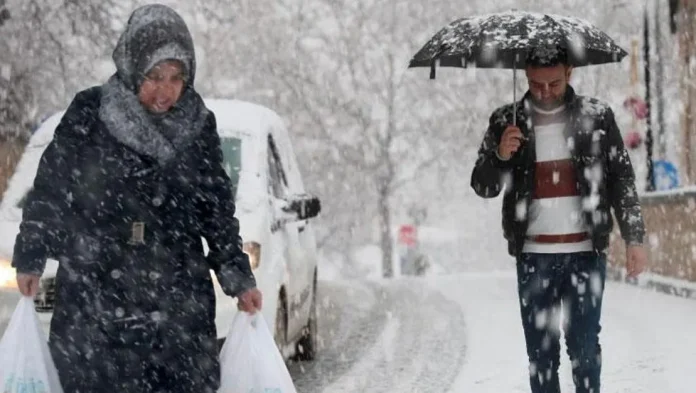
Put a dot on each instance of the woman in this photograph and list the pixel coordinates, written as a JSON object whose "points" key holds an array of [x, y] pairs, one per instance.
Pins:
{"points": [[131, 182]]}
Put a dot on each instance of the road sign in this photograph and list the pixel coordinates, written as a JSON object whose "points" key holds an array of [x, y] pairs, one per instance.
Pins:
{"points": [[408, 235]]}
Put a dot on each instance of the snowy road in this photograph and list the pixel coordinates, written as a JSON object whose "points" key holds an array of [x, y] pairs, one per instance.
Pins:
{"points": [[385, 337], [461, 333]]}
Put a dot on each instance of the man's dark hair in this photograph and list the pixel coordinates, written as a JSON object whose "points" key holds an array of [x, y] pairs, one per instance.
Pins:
{"points": [[547, 57]]}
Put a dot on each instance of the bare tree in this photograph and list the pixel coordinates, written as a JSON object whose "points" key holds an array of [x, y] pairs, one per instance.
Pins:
{"points": [[372, 137], [368, 126], [51, 49]]}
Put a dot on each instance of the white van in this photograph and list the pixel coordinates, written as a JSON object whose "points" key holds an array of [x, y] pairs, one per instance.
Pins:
{"points": [[272, 206]]}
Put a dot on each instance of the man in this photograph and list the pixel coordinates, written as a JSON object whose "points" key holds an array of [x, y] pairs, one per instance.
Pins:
{"points": [[563, 166]]}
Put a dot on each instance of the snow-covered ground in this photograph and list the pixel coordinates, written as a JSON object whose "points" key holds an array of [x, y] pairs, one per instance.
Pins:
{"points": [[461, 333], [648, 339]]}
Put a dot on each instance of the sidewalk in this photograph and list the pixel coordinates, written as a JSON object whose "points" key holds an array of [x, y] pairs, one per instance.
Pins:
{"points": [[668, 285]]}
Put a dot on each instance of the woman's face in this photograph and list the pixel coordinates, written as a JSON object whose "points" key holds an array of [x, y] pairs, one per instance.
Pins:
{"points": [[162, 87]]}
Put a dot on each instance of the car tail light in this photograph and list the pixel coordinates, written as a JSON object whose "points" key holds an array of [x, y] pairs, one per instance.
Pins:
{"points": [[8, 276], [253, 250]]}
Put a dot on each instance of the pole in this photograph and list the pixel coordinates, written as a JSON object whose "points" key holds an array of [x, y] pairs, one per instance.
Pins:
{"points": [[4, 12], [685, 30], [650, 186], [659, 85]]}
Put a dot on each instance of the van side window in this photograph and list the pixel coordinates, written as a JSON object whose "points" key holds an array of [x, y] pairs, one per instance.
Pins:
{"points": [[279, 181], [232, 160]]}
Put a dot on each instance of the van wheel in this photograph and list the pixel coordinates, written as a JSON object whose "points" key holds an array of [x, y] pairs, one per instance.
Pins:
{"points": [[281, 323], [307, 345]]}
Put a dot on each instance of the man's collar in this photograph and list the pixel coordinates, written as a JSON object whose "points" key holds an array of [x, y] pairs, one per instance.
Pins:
{"points": [[568, 99]]}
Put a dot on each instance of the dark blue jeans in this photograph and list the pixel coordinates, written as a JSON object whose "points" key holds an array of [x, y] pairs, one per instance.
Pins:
{"points": [[567, 286]]}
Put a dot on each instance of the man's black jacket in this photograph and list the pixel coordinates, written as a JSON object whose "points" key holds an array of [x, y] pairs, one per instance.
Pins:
{"points": [[604, 172]]}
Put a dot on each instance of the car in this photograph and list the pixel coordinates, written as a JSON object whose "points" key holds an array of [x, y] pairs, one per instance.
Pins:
{"points": [[274, 209]]}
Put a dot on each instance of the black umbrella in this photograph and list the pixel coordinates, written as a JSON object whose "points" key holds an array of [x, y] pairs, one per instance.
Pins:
{"points": [[504, 40]]}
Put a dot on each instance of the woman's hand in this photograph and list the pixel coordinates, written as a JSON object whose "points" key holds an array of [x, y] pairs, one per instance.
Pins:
{"points": [[28, 284], [250, 301]]}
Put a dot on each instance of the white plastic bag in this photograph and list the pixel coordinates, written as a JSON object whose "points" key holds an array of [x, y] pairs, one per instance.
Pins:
{"points": [[250, 360], [26, 365]]}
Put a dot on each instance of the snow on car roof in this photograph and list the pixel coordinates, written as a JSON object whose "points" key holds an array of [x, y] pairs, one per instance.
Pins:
{"points": [[236, 115], [232, 116], [43, 135], [29, 162]]}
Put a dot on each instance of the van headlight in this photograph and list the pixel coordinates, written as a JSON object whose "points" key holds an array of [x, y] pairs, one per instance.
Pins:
{"points": [[8, 275], [253, 250]]}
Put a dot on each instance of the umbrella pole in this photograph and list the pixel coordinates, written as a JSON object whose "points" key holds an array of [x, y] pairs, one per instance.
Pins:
{"points": [[514, 92]]}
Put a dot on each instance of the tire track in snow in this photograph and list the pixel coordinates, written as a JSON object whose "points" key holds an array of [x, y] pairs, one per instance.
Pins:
{"points": [[349, 324], [413, 340], [436, 331]]}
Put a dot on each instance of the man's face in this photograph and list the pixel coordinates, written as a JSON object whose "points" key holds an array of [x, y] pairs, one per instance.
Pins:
{"points": [[548, 84]]}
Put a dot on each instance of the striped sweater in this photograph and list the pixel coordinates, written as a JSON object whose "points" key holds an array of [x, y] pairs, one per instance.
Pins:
{"points": [[556, 223]]}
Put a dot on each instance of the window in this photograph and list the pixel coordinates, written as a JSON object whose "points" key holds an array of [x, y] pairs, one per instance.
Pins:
{"points": [[277, 175], [232, 160]]}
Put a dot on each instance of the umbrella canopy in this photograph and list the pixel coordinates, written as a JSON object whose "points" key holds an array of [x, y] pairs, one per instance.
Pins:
{"points": [[503, 40]]}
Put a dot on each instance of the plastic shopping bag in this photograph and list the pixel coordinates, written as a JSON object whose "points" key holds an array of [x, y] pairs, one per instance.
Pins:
{"points": [[26, 365], [250, 360]]}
